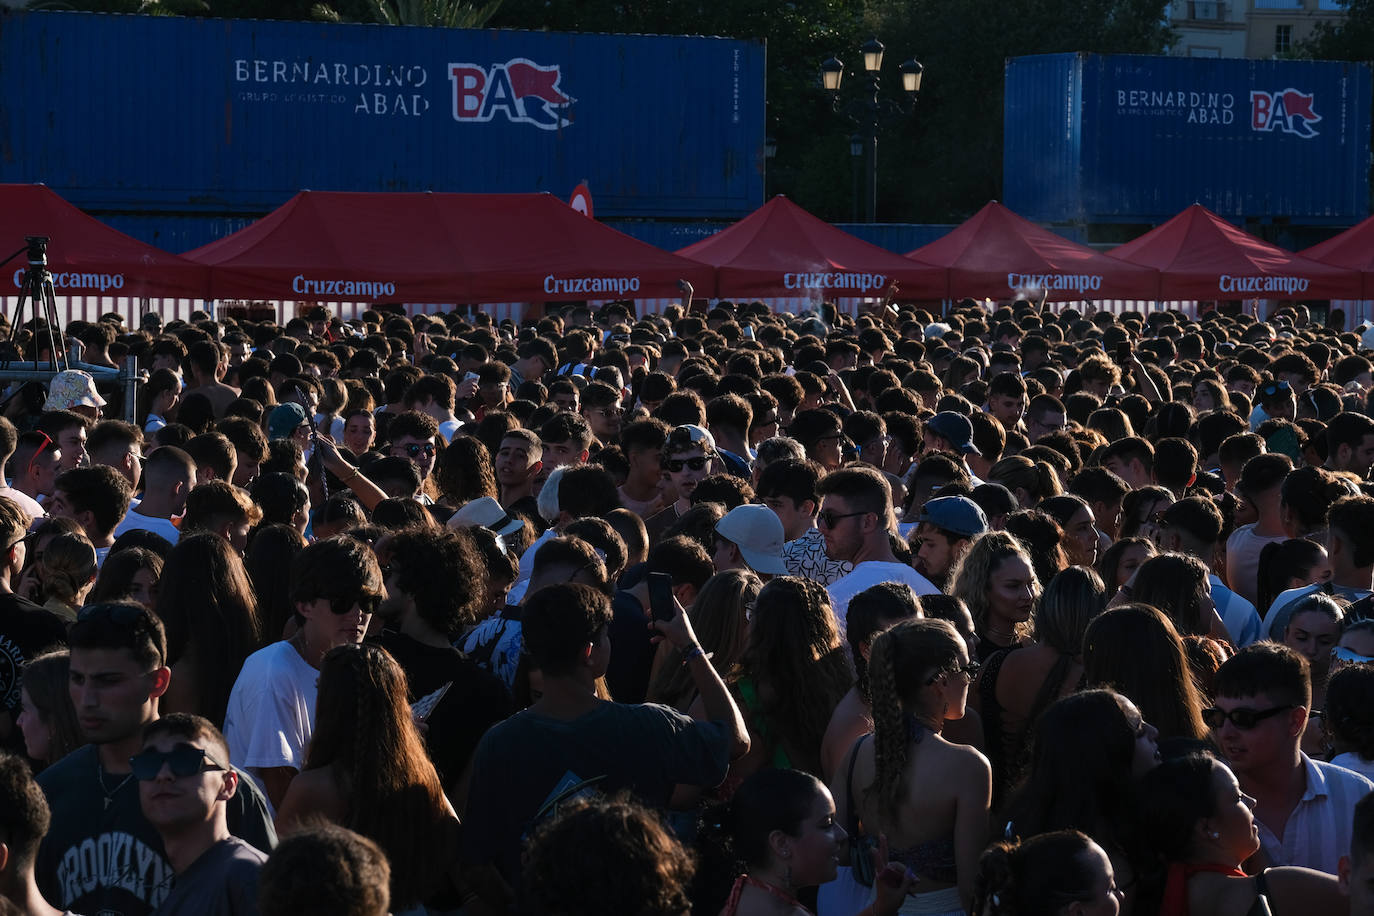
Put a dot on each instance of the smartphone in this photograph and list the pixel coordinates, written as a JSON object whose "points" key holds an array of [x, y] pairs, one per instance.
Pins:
{"points": [[661, 603], [471, 376], [1123, 353]]}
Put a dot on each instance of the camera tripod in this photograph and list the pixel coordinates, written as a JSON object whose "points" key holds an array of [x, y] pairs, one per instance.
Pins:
{"points": [[37, 293]]}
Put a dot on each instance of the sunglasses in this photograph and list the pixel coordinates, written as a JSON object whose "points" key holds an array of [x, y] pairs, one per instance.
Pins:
{"points": [[969, 671], [1273, 389], [122, 614], [416, 449], [829, 518], [1343, 654], [674, 465], [1242, 718], [47, 441], [184, 760], [368, 604]]}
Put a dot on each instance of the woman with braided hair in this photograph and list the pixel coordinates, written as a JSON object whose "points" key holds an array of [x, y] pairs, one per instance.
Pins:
{"points": [[928, 796], [367, 770]]}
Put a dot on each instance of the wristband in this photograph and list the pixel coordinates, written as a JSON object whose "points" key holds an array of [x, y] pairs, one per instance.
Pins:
{"points": [[694, 652]]}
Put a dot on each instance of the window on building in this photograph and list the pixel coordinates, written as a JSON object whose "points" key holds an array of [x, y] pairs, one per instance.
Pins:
{"points": [[1283, 39]]}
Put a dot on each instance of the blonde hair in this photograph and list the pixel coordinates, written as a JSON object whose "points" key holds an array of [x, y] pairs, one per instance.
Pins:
{"points": [[971, 575], [68, 568]]}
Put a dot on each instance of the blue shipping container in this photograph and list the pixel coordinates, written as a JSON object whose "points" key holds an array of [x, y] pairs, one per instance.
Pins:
{"points": [[1127, 138], [146, 113]]}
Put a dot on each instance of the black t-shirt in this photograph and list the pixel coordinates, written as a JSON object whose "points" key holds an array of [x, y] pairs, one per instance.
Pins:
{"points": [[477, 700], [632, 654], [26, 630], [101, 855]]}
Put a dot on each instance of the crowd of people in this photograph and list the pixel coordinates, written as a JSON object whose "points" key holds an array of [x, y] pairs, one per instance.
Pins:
{"points": [[1006, 610]]}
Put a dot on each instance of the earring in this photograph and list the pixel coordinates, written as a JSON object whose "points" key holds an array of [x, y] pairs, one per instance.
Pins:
{"points": [[1214, 835]]}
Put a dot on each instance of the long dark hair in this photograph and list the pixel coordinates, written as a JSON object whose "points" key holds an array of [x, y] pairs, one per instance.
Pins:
{"points": [[1041, 876], [207, 605], [1135, 650], [796, 661], [364, 730], [268, 562], [1080, 772], [1280, 561], [1171, 799]]}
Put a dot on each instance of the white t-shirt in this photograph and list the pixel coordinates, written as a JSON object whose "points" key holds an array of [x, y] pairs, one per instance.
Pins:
{"points": [[1242, 561], [26, 502], [448, 428], [522, 579], [271, 712], [868, 574], [133, 521]]}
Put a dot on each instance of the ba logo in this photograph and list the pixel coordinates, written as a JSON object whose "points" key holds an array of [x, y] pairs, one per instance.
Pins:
{"points": [[1290, 111], [520, 89]]}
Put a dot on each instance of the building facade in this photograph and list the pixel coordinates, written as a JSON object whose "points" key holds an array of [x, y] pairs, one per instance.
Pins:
{"points": [[1247, 28]]}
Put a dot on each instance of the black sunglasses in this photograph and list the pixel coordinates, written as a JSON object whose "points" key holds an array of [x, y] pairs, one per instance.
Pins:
{"points": [[184, 760], [368, 604], [122, 614], [674, 465], [830, 518], [416, 449], [1242, 718]]}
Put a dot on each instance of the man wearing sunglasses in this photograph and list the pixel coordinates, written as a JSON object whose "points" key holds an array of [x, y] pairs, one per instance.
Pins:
{"points": [[336, 586], [36, 462], [185, 784], [855, 519], [1303, 807], [412, 436], [101, 855], [687, 458]]}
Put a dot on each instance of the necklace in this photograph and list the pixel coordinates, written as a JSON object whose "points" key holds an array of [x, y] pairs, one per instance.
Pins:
{"points": [[100, 780], [772, 889]]}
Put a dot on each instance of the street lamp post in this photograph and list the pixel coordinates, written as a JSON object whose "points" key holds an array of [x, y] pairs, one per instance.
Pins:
{"points": [[869, 111]]}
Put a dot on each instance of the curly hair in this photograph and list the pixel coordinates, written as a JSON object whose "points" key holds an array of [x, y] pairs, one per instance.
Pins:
{"points": [[364, 731], [974, 570], [567, 870], [719, 618], [449, 601], [797, 662], [901, 663], [463, 472]]}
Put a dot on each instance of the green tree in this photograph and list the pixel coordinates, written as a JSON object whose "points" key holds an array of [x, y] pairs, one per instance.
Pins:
{"points": [[946, 162], [448, 14], [1351, 38]]}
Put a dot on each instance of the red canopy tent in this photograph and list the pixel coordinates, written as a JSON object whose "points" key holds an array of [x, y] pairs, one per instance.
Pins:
{"points": [[998, 254], [1354, 249], [86, 257], [437, 247], [781, 251], [1201, 256]]}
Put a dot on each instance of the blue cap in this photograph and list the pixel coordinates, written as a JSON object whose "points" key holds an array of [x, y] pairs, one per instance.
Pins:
{"points": [[955, 429], [955, 514]]}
